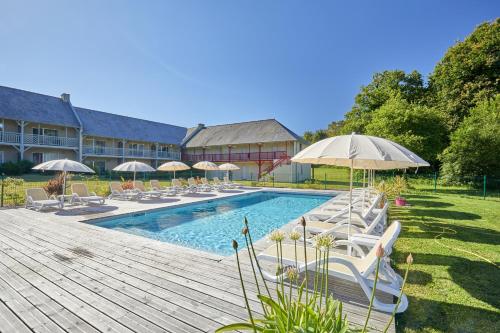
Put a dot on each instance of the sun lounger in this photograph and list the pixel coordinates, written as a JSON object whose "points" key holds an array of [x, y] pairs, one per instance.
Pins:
{"points": [[325, 215], [37, 199], [164, 190], [118, 192], [178, 187], [229, 183], [81, 194], [340, 229], [354, 269], [218, 184], [193, 187], [140, 188]]}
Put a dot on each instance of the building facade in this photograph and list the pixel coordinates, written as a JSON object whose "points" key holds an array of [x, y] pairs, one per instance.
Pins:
{"points": [[40, 128]]}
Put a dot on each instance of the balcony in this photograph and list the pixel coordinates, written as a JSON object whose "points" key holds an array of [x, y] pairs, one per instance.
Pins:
{"points": [[237, 157], [38, 140], [129, 153]]}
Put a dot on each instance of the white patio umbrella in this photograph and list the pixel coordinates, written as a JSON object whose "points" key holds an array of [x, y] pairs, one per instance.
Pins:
{"points": [[359, 152], [206, 165], [228, 167], [134, 167], [173, 166], [65, 166]]}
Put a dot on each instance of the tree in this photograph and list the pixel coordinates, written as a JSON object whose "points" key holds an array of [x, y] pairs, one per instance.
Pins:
{"points": [[417, 127], [475, 146], [335, 128], [468, 73], [376, 93]]}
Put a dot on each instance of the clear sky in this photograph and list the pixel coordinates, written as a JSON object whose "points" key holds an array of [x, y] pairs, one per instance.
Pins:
{"points": [[188, 62]]}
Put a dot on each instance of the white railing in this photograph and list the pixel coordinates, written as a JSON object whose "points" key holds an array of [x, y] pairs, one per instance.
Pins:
{"points": [[169, 155], [102, 151], [38, 140], [49, 140], [138, 153], [10, 137]]}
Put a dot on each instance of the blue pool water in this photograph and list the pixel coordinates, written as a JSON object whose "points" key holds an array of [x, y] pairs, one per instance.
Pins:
{"points": [[211, 226]]}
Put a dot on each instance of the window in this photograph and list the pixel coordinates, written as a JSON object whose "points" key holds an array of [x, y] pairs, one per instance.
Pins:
{"points": [[99, 146], [37, 158], [49, 132]]}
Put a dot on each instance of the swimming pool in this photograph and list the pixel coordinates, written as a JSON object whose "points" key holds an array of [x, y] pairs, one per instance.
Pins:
{"points": [[211, 226]]}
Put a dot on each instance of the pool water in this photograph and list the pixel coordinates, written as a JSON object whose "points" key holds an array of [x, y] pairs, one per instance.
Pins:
{"points": [[211, 226]]}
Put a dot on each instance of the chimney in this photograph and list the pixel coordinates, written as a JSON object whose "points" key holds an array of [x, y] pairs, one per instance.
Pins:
{"points": [[65, 97]]}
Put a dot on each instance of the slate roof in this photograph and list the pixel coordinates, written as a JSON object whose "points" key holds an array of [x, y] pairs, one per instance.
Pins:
{"points": [[268, 130], [33, 107], [29, 106], [110, 125]]}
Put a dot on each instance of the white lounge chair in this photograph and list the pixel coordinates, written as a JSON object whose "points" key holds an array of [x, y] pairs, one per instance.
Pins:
{"points": [[37, 199], [229, 183], [193, 187], [354, 269], [164, 190], [340, 229], [178, 187], [140, 188], [325, 215], [118, 192], [81, 194], [218, 184]]}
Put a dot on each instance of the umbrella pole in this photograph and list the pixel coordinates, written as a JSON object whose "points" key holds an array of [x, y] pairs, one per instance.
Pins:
{"points": [[64, 188], [174, 174], [364, 192], [134, 176], [350, 209]]}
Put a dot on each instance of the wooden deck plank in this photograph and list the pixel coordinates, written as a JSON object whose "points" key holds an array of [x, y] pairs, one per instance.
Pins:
{"points": [[10, 322], [147, 279]]}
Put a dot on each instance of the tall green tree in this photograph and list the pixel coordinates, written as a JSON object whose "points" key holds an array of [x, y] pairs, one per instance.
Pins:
{"points": [[468, 73], [372, 96], [417, 127], [475, 145]]}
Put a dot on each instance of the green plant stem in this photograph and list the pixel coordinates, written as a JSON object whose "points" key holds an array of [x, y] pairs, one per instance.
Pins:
{"points": [[322, 268], [373, 295], [254, 274], [244, 292], [305, 262], [326, 277], [282, 271], [256, 261], [399, 299]]}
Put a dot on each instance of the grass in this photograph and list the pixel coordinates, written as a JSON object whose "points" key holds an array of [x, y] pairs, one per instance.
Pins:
{"points": [[454, 284]]}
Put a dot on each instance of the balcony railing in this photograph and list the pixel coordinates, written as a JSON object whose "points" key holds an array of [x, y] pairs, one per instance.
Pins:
{"points": [[237, 157], [10, 137], [48, 140], [38, 140], [127, 152]]}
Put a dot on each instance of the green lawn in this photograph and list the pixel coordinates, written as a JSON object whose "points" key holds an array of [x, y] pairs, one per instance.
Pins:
{"points": [[455, 282]]}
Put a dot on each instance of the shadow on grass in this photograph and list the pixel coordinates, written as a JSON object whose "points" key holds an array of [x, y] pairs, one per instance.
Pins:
{"points": [[430, 316], [451, 231], [428, 204]]}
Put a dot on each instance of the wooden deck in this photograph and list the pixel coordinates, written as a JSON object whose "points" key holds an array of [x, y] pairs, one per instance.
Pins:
{"points": [[65, 276]]}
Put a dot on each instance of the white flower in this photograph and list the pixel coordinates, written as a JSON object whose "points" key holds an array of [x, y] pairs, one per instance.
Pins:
{"points": [[277, 236], [295, 235]]}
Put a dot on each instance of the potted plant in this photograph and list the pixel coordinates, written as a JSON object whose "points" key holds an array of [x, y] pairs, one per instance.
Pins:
{"points": [[399, 185]]}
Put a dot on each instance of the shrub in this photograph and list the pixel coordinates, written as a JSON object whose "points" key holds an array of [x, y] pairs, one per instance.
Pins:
{"points": [[55, 185], [16, 168], [11, 190], [128, 185]]}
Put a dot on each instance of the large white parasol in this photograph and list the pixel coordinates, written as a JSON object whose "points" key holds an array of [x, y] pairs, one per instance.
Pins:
{"points": [[173, 166], [359, 152], [65, 166], [228, 167], [134, 167], [206, 165]]}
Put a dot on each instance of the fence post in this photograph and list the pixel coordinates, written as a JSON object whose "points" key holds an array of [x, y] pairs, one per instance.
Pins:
{"points": [[435, 182], [484, 187], [1, 199], [273, 178], [324, 183]]}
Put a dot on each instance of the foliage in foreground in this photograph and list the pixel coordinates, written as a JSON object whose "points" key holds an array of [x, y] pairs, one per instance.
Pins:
{"points": [[309, 310]]}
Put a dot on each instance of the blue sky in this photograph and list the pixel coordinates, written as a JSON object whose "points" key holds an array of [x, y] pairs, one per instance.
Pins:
{"points": [[186, 62]]}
